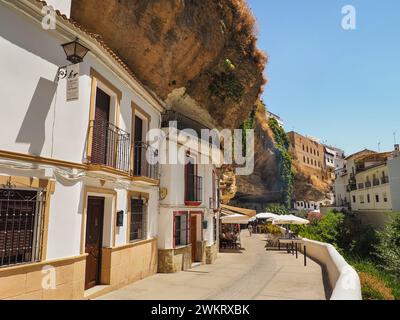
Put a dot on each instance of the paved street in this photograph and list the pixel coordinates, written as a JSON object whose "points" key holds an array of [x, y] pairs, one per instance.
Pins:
{"points": [[253, 274]]}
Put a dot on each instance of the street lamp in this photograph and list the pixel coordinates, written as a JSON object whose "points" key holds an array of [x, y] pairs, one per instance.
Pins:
{"points": [[74, 51]]}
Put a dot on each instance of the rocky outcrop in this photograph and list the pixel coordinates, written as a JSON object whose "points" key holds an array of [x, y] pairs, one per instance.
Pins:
{"points": [[204, 49], [266, 181]]}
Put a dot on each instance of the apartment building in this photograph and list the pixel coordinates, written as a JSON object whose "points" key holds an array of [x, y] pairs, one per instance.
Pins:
{"points": [[79, 192], [370, 182], [308, 152]]}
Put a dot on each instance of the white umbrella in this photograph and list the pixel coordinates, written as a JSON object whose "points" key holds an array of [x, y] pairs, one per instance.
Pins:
{"points": [[289, 219], [266, 215], [235, 219]]}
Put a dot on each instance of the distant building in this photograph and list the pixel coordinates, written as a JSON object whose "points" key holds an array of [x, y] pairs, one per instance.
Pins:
{"points": [[317, 159], [370, 182], [276, 117], [307, 151]]}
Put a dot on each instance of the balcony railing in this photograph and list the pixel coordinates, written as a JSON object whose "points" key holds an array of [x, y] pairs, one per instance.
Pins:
{"points": [[193, 188], [361, 186], [376, 182], [385, 180], [110, 145], [144, 161], [368, 184], [351, 187]]}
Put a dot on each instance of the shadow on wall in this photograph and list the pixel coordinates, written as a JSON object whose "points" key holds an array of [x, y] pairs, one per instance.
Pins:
{"points": [[33, 129]]}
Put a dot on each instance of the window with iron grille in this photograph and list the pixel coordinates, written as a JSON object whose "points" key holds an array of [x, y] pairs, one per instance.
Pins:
{"points": [[20, 226], [181, 222], [138, 223]]}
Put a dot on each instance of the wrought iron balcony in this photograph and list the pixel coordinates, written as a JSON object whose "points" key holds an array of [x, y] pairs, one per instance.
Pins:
{"points": [[144, 161], [376, 182], [368, 184], [110, 145], [193, 189], [385, 180], [361, 186]]}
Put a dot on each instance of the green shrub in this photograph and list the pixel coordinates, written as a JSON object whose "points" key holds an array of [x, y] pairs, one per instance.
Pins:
{"points": [[284, 161], [388, 248], [277, 209]]}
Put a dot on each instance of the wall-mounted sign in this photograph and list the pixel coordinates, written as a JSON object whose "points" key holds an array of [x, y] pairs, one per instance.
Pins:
{"points": [[72, 77]]}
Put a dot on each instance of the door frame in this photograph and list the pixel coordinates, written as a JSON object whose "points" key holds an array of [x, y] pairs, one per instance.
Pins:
{"points": [[98, 192], [99, 262], [198, 238]]}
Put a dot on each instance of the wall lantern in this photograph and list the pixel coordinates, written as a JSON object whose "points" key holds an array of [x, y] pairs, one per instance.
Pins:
{"points": [[205, 224], [120, 218], [74, 51]]}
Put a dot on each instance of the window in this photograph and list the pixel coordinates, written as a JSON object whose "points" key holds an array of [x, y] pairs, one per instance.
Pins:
{"points": [[303, 147], [362, 199], [20, 221], [385, 198], [181, 232], [354, 199], [138, 220], [304, 159], [368, 198], [377, 198]]}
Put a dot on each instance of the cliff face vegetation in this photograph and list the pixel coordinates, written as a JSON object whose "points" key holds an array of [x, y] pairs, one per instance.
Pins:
{"points": [[266, 182], [202, 49]]}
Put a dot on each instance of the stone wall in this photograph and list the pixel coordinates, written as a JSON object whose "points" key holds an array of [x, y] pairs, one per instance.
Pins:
{"points": [[25, 282], [174, 260], [123, 265], [211, 253], [201, 251]]}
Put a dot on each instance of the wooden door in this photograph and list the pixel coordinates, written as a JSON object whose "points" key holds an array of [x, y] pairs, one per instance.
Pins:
{"points": [[94, 240], [138, 138], [193, 235], [100, 127]]}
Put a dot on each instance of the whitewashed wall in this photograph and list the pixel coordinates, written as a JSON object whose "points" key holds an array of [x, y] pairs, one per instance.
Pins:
{"points": [[36, 119]]}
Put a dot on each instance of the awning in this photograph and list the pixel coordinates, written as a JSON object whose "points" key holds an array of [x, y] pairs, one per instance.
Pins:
{"points": [[235, 219], [289, 219], [229, 210]]}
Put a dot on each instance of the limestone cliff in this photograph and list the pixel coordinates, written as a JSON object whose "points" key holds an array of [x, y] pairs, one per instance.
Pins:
{"points": [[205, 50], [266, 181]]}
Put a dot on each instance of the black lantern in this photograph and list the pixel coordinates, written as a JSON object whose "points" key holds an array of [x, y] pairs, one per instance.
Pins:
{"points": [[75, 51]]}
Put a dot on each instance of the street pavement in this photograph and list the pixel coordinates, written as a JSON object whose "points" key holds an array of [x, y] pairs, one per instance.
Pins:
{"points": [[252, 274]]}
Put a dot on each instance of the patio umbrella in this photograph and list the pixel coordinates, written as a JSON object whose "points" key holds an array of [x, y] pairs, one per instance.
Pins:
{"points": [[289, 219], [266, 215]]}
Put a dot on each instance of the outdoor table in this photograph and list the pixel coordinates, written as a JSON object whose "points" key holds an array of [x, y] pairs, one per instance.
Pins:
{"points": [[294, 243]]}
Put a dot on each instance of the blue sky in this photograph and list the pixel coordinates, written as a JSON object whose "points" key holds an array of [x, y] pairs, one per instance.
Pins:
{"points": [[340, 86]]}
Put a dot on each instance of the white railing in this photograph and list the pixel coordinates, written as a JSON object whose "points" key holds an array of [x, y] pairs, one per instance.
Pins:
{"points": [[343, 279]]}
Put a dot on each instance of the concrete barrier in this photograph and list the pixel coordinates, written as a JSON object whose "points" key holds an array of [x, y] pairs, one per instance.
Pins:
{"points": [[343, 279]]}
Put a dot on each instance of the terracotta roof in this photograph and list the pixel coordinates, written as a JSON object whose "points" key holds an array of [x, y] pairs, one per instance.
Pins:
{"points": [[235, 210], [99, 41]]}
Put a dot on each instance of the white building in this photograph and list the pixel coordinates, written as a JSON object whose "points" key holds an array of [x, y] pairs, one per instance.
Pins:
{"points": [[188, 213], [370, 182], [271, 115], [73, 174]]}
